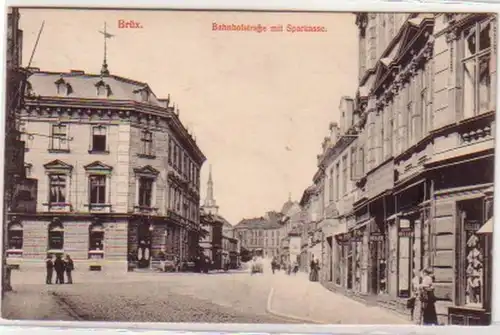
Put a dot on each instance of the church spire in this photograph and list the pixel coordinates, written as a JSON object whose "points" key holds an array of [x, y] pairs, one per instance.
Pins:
{"points": [[104, 68], [210, 205]]}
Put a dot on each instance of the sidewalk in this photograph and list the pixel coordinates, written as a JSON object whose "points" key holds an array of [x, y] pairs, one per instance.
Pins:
{"points": [[297, 297], [33, 303]]}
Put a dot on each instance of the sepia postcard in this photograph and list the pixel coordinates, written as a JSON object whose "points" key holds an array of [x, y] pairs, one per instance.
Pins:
{"points": [[254, 167]]}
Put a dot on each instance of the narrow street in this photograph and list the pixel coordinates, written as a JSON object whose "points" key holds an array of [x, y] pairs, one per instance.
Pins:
{"points": [[236, 297]]}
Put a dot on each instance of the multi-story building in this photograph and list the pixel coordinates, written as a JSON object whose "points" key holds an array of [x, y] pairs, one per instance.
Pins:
{"points": [[216, 227], [118, 173], [260, 235], [426, 106], [230, 251], [15, 182], [291, 227]]}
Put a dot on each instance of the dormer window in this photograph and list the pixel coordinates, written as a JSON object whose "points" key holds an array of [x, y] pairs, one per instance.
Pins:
{"points": [[103, 89], [144, 93], [63, 87]]}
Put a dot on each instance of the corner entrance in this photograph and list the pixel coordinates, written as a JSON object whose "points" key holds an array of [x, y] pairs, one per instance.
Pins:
{"points": [[144, 236]]}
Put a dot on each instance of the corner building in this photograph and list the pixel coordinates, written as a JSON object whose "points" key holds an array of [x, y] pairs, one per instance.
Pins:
{"points": [[115, 175], [424, 176]]}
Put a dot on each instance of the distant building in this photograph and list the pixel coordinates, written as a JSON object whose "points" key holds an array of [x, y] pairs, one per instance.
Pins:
{"points": [[218, 240], [117, 173], [261, 235]]}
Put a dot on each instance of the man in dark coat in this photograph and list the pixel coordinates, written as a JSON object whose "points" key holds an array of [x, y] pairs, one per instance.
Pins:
{"points": [[59, 267], [50, 269], [69, 267]]}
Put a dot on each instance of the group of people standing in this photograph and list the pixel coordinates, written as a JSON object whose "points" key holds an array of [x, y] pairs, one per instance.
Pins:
{"points": [[422, 303], [60, 266]]}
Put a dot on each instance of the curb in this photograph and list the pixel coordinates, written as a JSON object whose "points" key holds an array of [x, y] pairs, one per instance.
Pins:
{"points": [[289, 316]]}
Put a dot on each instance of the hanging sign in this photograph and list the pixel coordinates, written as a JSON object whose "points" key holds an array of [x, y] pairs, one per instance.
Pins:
{"points": [[376, 236], [472, 225], [405, 232]]}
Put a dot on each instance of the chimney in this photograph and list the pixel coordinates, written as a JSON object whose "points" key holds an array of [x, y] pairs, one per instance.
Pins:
{"points": [[346, 109], [334, 132]]}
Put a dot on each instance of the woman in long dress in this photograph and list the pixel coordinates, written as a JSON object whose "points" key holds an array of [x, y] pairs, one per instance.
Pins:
{"points": [[428, 299]]}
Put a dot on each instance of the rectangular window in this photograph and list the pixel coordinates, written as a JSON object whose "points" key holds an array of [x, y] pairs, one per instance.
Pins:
{"points": [[97, 186], [354, 163], [59, 139], [476, 71], [170, 151], [145, 191], [99, 138], [344, 174], [147, 143], [337, 181], [330, 186], [57, 186], [361, 161]]}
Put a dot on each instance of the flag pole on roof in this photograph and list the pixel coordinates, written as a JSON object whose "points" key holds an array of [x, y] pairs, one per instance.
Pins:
{"points": [[104, 69]]}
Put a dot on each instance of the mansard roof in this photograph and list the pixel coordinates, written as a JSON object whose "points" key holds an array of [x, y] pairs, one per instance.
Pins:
{"points": [[84, 86]]}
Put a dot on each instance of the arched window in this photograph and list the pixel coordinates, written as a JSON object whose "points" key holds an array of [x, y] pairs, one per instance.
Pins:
{"points": [[96, 237], [15, 236], [56, 236]]}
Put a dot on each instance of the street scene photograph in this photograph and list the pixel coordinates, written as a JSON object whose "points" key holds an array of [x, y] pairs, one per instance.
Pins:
{"points": [[263, 167]]}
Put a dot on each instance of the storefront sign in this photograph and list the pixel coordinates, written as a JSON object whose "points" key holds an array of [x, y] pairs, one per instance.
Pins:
{"points": [[405, 232], [472, 225], [375, 237]]}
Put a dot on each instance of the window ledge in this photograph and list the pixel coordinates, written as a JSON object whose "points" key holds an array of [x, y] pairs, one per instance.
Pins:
{"points": [[98, 152], [55, 151], [55, 251], [147, 156], [99, 207], [145, 209], [14, 251], [58, 206], [97, 252]]}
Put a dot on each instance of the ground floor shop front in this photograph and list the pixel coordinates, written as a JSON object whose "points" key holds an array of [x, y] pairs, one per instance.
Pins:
{"points": [[116, 243], [432, 221]]}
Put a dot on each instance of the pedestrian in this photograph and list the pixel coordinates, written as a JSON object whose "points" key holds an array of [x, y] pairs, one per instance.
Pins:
{"points": [[59, 268], [428, 299], [50, 269], [69, 266]]}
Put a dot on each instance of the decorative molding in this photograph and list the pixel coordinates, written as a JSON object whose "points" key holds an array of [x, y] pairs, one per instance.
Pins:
{"points": [[147, 170], [98, 166], [58, 165]]}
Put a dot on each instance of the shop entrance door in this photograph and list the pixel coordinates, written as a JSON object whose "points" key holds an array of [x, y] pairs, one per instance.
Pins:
{"points": [[144, 246]]}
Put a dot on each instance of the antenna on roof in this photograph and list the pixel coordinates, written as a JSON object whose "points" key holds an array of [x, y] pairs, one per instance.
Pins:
{"points": [[36, 43]]}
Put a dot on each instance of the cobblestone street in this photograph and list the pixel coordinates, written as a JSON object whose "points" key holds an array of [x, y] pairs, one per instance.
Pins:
{"points": [[218, 297]]}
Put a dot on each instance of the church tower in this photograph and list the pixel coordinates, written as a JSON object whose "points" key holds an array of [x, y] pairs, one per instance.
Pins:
{"points": [[210, 206]]}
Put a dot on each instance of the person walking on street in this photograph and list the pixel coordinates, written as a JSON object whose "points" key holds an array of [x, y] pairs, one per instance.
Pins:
{"points": [[415, 305], [69, 267], [428, 299], [50, 269], [59, 268]]}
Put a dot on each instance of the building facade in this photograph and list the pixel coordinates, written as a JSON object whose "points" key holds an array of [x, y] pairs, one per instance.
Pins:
{"points": [[14, 179], [425, 121], [260, 235], [218, 229], [117, 174]]}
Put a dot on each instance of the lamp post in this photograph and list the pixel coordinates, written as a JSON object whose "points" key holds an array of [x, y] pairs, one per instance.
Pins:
{"points": [[151, 228]]}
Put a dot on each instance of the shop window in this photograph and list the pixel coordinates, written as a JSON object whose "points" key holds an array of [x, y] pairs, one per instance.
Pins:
{"points": [[96, 237], [405, 257], [471, 254], [99, 143], [15, 236], [476, 71], [56, 236]]}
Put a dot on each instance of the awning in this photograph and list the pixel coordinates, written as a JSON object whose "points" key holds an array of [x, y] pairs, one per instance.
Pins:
{"points": [[487, 228]]}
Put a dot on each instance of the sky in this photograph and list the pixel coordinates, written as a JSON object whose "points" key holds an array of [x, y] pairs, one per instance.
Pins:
{"points": [[259, 104]]}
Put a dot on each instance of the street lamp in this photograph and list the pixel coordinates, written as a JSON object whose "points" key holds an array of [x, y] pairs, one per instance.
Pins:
{"points": [[151, 228]]}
